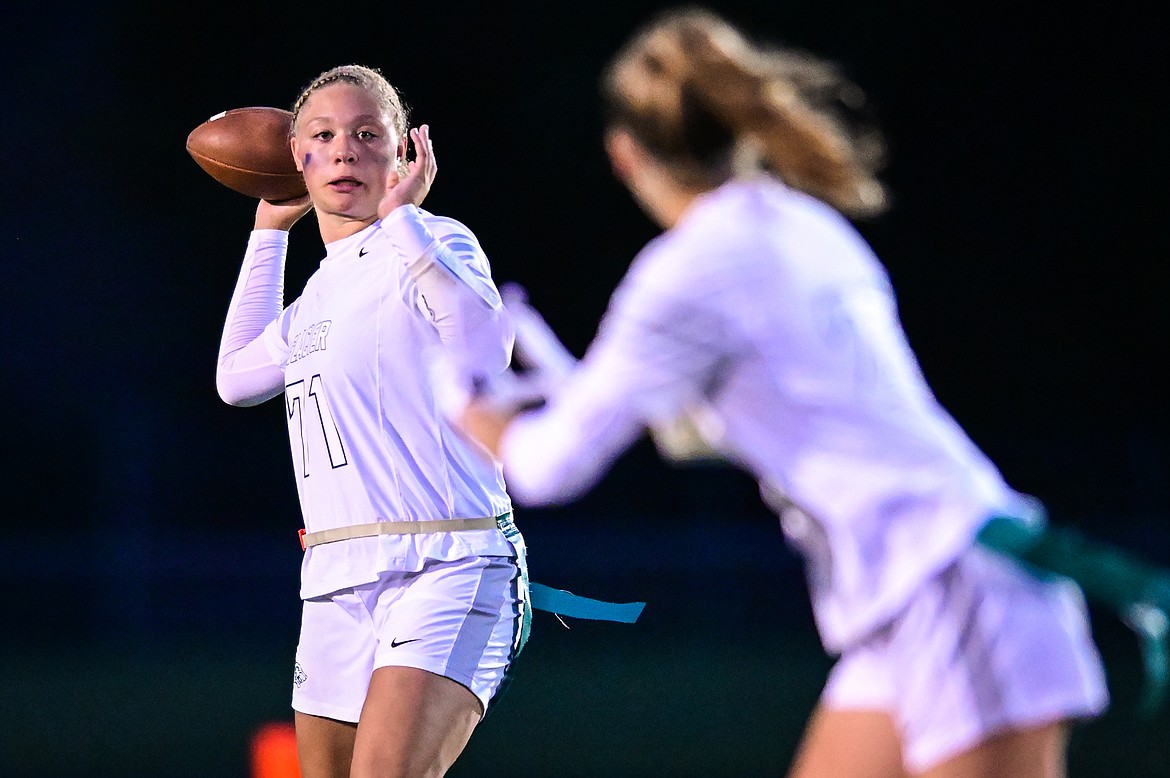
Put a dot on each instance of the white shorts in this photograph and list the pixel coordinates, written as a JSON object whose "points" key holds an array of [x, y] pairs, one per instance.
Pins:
{"points": [[984, 646], [461, 620]]}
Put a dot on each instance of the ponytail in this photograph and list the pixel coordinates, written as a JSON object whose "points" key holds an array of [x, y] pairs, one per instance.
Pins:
{"points": [[708, 103]]}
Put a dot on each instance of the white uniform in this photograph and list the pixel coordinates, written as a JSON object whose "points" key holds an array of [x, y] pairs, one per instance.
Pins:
{"points": [[765, 307], [369, 443]]}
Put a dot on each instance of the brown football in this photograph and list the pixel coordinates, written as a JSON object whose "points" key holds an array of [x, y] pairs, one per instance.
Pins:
{"points": [[246, 150]]}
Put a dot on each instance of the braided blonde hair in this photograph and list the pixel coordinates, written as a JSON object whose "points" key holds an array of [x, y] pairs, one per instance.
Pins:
{"points": [[709, 103], [369, 79]]}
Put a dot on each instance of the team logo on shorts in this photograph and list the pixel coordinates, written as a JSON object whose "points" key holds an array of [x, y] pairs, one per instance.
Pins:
{"points": [[299, 676]]}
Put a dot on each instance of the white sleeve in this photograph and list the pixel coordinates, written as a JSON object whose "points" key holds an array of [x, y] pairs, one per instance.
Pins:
{"points": [[650, 360], [246, 373], [455, 288]]}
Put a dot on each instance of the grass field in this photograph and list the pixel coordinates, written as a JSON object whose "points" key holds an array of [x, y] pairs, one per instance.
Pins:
{"points": [[164, 668], [596, 699]]}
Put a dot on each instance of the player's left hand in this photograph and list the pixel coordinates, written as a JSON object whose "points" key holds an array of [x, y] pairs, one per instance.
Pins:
{"points": [[412, 188]]}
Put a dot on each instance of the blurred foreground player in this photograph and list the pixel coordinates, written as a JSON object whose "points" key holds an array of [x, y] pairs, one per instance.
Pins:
{"points": [[762, 305], [414, 584]]}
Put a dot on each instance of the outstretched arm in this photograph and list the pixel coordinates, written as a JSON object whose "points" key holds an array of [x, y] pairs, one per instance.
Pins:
{"points": [[635, 375], [547, 363]]}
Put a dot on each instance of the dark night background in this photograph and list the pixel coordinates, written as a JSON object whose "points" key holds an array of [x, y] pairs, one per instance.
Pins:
{"points": [[150, 555]]}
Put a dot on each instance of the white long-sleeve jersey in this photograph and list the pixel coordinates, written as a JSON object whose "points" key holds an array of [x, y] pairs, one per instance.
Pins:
{"points": [[768, 309], [369, 442]]}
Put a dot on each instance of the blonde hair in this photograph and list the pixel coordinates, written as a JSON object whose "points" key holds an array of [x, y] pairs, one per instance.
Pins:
{"points": [[708, 102], [369, 79]]}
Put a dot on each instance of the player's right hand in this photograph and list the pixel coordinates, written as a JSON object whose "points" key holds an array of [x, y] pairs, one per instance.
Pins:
{"points": [[281, 215]]}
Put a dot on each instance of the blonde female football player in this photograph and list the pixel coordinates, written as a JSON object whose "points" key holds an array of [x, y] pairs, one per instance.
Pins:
{"points": [[413, 580], [760, 304]]}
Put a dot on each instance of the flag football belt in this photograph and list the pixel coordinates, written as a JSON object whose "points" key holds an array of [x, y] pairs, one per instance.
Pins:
{"points": [[310, 539], [545, 598], [1137, 591]]}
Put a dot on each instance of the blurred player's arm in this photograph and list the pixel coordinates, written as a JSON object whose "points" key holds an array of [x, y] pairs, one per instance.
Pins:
{"points": [[681, 439]]}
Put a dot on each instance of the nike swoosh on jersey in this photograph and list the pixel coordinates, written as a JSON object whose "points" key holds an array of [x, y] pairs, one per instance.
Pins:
{"points": [[395, 642]]}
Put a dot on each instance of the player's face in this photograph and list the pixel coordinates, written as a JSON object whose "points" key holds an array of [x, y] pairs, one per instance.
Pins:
{"points": [[346, 147]]}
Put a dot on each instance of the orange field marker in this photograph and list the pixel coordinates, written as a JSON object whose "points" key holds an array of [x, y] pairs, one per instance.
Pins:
{"points": [[274, 751]]}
